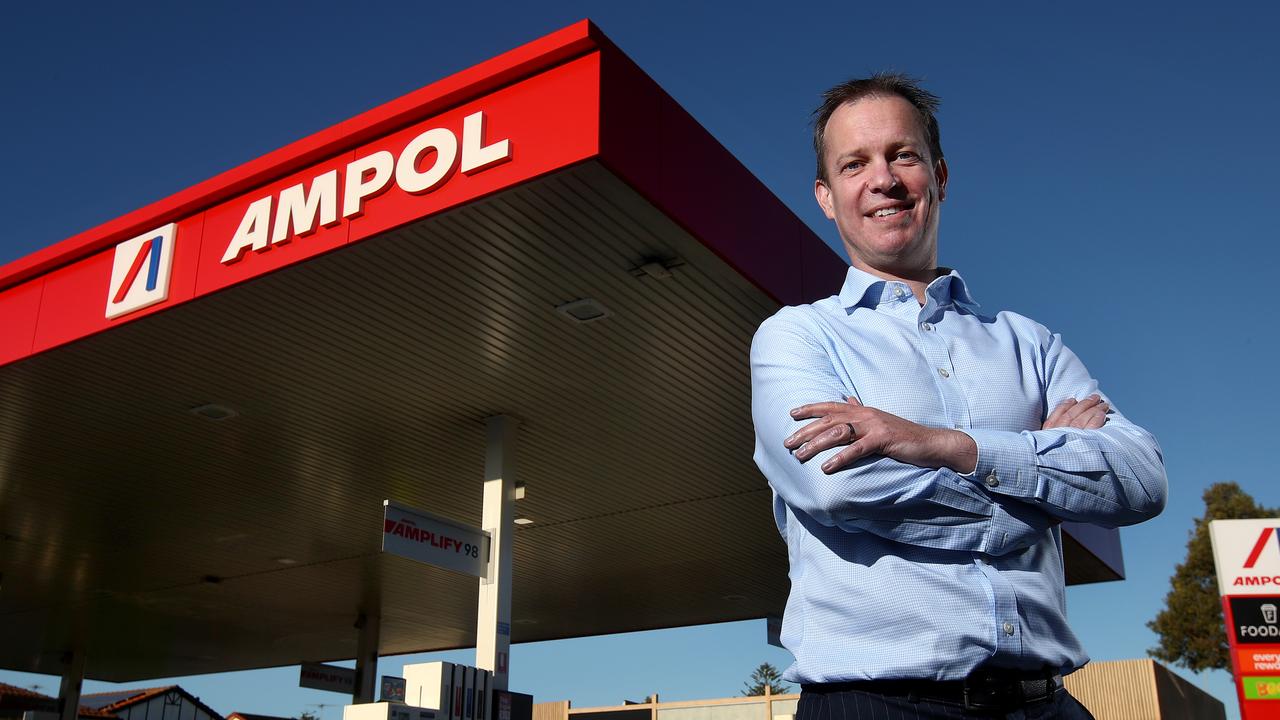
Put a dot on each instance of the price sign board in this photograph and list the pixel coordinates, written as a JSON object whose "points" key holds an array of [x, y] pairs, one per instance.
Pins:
{"points": [[1246, 554], [422, 536], [327, 677]]}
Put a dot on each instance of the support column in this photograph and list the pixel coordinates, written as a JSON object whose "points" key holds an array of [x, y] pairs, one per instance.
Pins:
{"points": [[493, 617], [366, 658], [72, 678]]}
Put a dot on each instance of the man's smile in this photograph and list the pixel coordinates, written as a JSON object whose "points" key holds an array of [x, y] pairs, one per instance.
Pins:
{"points": [[888, 211]]}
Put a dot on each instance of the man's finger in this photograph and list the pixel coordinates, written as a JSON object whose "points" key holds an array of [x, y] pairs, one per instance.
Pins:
{"points": [[816, 410], [1081, 408], [807, 433], [844, 458], [836, 434], [1095, 418], [1055, 417]]}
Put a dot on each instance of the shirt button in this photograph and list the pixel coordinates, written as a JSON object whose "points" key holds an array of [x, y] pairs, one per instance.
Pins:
{"points": [[1008, 628], [992, 480], [943, 372], [926, 327], [958, 426], [897, 291]]}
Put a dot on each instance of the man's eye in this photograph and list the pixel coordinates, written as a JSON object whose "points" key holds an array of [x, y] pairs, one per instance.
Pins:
{"points": [[852, 165], [907, 155]]}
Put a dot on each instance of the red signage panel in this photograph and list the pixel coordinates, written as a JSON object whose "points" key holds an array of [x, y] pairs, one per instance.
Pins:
{"points": [[258, 215], [542, 123], [75, 297], [549, 121], [19, 308]]}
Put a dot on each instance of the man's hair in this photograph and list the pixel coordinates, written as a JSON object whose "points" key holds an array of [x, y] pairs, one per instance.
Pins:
{"points": [[878, 85]]}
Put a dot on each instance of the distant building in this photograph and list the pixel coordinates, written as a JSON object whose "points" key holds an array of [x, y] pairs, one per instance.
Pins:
{"points": [[18, 703], [159, 703], [255, 716], [1119, 690]]}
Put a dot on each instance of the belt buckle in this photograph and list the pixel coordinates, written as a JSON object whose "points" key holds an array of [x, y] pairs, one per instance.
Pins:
{"points": [[982, 691]]}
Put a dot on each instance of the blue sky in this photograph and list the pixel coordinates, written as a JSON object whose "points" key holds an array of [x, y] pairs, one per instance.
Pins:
{"points": [[1111, 173]]}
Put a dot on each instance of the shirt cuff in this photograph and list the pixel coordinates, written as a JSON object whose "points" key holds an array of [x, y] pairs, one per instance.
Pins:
{"points": [[1006, 463]]}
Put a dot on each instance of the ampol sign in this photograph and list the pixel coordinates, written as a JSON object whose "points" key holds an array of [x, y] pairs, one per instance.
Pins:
{"points": [[1247, 556]]}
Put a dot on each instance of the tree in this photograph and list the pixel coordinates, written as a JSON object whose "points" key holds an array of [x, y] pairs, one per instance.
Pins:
{"points": [[308, 715], [765, 676], [1190, 626]]}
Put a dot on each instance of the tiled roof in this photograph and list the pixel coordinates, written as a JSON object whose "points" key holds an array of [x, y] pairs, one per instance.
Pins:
{"points": [[13, 697], [122, 698]]}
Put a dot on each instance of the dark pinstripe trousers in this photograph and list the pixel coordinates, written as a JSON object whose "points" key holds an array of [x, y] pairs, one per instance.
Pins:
{"points": [[861, 705]]}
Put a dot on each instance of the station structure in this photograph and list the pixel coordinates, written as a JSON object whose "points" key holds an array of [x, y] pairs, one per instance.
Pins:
{"points": [[539, 265]]}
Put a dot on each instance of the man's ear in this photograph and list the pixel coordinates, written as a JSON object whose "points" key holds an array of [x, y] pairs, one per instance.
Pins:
{"points": [[941, 173], [822, 194]]}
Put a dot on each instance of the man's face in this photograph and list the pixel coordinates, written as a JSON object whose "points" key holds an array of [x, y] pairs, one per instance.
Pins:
{"points": [[882, 188]]}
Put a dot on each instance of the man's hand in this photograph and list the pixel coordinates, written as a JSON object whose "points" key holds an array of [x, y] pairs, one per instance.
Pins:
{"points": [[868, 431], [1087, 414]]}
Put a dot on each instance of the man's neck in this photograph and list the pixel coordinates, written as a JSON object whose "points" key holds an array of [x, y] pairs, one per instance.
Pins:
{"points": [[917, 280]]}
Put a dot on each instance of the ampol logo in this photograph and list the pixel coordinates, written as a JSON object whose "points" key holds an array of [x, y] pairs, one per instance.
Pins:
{"points": [[140, 273], [1260, 545]]}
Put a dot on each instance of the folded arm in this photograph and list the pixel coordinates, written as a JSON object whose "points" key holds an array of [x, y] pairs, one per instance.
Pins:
{"points": [[928, 506], [1109, 476]]}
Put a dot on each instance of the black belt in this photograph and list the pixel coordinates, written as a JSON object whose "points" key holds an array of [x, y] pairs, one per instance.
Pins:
{"points": [[982, 690]]}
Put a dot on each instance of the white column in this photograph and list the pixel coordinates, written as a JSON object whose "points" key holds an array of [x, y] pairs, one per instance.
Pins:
{"points": [[493, 618], [366, 659], [69, 691]]}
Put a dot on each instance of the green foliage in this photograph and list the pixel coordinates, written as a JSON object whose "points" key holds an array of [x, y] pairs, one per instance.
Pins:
{"points": [[308, 715], [1190, 627], [765, 676]]}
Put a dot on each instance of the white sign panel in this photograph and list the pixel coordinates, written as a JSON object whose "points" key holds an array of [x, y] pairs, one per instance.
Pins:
{"points": [[421, 536], [140, 271], [1247, 556], [327, 677]]}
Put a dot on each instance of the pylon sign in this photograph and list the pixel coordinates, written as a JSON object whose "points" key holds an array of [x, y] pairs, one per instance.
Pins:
{"points": [[1247, 556]]}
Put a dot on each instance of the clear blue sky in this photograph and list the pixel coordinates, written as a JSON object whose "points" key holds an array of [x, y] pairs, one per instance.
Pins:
{"points": [[1113, 175]]}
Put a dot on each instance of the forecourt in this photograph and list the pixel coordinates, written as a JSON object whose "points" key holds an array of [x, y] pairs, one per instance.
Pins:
{"points": [[204, 402]]}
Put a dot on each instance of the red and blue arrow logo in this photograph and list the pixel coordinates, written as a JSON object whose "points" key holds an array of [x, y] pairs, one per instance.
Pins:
{"points": [[150, 249], [1261, 545]]}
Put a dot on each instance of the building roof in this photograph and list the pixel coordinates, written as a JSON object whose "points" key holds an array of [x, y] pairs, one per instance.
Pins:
{"points": [[18, 699], [360, 362], [114, 701]]}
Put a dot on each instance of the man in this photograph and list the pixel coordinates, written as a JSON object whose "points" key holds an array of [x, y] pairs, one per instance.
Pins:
{"points": [[922, 453]]}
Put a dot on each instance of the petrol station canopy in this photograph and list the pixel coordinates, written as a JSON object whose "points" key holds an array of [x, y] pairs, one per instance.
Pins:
{"points": [[204, 402]]}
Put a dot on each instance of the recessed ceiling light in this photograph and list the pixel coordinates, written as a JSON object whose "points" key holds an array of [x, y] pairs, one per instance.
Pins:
{"points": [[524, 521], [213, 411], [286, 561], [584, 311]]}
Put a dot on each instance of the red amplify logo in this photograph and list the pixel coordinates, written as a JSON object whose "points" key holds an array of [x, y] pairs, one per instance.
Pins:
{"points": [[1259, 546]]}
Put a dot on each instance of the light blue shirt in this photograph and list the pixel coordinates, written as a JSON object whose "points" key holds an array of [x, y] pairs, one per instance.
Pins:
{"points": [[899, 571]]}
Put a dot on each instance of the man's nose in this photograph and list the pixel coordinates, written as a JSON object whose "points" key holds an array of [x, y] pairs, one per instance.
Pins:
{"points": [[882, 179]]}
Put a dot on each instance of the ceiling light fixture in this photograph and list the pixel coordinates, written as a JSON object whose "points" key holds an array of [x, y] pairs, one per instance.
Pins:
{"points": [[524, 521], [655, 268], [584, 311], [215, 412]]}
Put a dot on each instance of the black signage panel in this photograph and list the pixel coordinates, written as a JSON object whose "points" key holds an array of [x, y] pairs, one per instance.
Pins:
{"points": [[1255, 621]]}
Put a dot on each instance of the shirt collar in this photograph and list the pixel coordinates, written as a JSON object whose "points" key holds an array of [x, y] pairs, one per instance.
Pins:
{"points": [[864, 289]]}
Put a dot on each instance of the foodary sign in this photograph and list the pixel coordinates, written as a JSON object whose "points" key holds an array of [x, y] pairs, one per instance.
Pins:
{"points": [[1247, 556], [419, 535]]}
